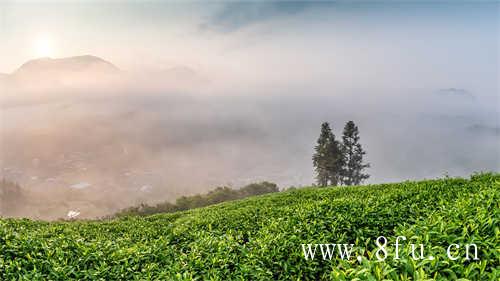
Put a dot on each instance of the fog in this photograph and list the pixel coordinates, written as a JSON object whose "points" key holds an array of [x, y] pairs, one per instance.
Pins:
{"points": [[101, 137], [131, 147]]}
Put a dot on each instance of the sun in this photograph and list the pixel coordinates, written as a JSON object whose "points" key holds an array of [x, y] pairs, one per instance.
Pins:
{"points": [[44, 46]]}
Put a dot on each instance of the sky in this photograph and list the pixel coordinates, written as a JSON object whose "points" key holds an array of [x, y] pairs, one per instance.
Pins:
{"points": [[438, 42]]}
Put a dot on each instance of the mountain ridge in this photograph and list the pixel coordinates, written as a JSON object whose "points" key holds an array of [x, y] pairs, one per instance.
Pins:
{"points": [[73, 63]]}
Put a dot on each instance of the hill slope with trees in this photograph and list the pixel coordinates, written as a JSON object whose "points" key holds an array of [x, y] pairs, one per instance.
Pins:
{"points": [[261, 238]]}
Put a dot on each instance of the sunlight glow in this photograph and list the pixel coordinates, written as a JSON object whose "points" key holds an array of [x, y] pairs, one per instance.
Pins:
{"points": [[43, 46]]}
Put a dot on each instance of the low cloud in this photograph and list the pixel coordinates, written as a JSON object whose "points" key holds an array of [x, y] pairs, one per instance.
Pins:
{"points": [[231, 17]]}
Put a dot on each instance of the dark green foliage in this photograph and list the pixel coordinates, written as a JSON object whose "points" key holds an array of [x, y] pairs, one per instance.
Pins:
{"points": [[218, 195], [327, 159], [320, 157], [352, 172], [260, 238], [259, 188], [10, 197]]}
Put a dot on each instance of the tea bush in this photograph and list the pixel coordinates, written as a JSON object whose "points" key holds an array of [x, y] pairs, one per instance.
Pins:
{"points": [[260, 238]]}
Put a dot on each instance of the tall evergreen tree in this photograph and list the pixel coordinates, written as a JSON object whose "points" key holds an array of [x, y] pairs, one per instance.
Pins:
{"points": [[352, 173], [327, 159], [335, 162], [320, 157]]}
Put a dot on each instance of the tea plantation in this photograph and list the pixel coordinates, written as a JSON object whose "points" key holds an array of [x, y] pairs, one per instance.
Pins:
{"points": [[260, 238]]}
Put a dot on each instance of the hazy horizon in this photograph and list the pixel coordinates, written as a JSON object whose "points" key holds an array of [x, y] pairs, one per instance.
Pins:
{"points": [[230, 93]]}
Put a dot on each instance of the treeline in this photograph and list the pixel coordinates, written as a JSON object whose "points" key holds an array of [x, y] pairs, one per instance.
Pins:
{"points": [[339, 162], [218, 195], [10, 197]]}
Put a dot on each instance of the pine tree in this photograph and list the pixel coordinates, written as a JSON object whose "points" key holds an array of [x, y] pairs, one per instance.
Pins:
{"points": [[327, 159], [321, 153], [352, 173]]}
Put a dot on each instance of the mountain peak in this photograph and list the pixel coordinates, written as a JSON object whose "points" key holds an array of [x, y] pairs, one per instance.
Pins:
{"points": [[69, 64]]}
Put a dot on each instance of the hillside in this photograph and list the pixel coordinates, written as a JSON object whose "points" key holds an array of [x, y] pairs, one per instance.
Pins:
{"points": [[62, 66], [47, 75], [261, 238]]}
